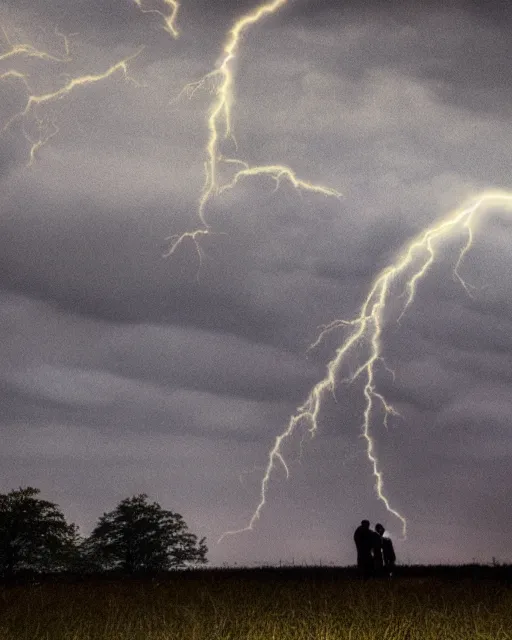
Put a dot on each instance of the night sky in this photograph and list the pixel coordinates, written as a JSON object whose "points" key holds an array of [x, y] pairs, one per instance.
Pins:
{"points": [[123, 371]]}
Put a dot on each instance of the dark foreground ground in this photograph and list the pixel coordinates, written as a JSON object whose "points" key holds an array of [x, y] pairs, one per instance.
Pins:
{"points": [[420, 603]]}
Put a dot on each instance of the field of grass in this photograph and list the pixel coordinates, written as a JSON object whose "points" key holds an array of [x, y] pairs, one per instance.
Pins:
{"points": [[264, 604]]}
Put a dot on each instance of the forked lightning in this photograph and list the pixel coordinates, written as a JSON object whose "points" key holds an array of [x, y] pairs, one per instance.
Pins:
{"points": [[47, 128], [220, 128], [365, 333], [45, 124], [168, 19], [27, 50]]}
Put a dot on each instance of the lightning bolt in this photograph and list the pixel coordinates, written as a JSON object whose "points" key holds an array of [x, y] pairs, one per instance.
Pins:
{"points": [[362, 334], [45, 126], [27, 50], [365, 334], [221, 82], [169, 19]]}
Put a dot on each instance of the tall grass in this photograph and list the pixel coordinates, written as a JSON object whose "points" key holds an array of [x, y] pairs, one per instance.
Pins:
{"points": [[259, 605]]}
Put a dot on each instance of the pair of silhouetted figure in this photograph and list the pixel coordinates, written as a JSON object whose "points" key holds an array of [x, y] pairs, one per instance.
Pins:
{"points": [[375, 553]]}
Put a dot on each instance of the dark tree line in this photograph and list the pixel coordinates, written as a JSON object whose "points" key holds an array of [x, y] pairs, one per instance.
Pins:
{"points": [[137, 536]]}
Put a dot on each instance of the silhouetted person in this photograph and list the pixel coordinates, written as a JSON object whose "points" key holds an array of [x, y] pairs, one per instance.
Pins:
{"points": [[388, 557], [377, 551], [364, 538]]}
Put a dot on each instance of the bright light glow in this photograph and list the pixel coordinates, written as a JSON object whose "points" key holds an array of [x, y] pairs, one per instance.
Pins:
{"points": [[27, 50], [365, 335], [399, 281], [220, 82], [169, 19], [45, 124]]}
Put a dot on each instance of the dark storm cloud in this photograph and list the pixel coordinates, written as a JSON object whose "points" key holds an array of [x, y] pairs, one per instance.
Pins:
{"points": [[109, 16], [78, 269], [133, 407], [494, 10], [433, 44], [128, 355], [124, 372]]}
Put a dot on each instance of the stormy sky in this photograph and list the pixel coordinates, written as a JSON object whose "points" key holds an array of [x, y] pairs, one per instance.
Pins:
{"points": [[123, 371]]}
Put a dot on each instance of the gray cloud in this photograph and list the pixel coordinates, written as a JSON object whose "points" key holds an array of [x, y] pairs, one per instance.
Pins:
{"points": [[123, 371]]}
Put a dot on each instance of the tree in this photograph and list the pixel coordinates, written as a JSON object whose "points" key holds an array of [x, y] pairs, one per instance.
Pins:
{"points": [[34, 534], [139, 536]]}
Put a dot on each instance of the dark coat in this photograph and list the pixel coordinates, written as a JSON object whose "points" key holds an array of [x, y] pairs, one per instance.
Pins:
{"points": [[363, 537], [388, 553]]}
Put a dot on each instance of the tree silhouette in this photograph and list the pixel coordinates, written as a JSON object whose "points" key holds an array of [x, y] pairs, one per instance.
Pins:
{"points": [[34, 534], [139, 536]]}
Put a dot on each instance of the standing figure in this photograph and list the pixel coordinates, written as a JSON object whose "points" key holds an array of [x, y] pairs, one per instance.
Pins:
{"points": [[365, 542], [377, 551], [388, 553]]}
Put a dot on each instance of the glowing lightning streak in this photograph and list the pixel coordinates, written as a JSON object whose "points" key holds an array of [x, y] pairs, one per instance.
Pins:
{"points": [[221, 80], [35, 101], [412, 264], [46, 127], [29, 51], [278, 172], [169, 20]]}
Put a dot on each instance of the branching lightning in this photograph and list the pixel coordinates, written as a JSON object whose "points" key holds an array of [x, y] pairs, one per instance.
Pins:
{"points": [[27, 50], [362, 334], [220, 82], [45, 125], [365, 333], [278, 173], [169, 19]]}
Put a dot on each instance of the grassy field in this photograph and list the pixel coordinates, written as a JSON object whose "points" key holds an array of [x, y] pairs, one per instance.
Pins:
{"points": [[265, 604]]}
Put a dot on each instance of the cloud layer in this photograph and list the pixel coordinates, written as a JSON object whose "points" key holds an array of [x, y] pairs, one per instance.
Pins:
{"points": [[123, 371]]}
